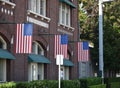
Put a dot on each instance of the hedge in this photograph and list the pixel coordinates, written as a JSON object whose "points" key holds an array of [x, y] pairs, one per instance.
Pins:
{"points": [[108, 81], [85, 82], [70, 84], [115, 85], [8, 85], [42, 84], [98, 86]]}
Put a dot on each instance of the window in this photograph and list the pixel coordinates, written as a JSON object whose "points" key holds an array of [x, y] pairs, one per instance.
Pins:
{"points": [[32, 71], [40, 71], [64, 73], [36, 70], [2, 70], [37, 6], [2, 61], [64, 14], [37, 48], [3, 44], [83, 69]]}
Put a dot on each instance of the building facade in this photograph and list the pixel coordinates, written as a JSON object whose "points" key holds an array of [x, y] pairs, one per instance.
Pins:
{"points": [[49, 17]]}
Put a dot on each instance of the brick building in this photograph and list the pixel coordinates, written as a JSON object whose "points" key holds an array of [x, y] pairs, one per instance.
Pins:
{"points": [[49, 17]]}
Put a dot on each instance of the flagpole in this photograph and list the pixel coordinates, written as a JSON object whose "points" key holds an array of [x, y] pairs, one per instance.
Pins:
{"points": [[59, 75], [59, 62], [101, 40], [101, 61]]}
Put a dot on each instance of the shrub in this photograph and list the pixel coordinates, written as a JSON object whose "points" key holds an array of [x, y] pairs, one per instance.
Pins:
{"points": [[115, 85], [42, 84], [85, 82], [52, 84], [98, 86], [22, 85], [8, 85], [108, 81], [70, 84]]}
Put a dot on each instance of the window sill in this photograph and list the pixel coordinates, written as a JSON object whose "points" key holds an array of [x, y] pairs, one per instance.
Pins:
{"points": [[2, 81], [7, 2], [38, 15], [66, 26]]}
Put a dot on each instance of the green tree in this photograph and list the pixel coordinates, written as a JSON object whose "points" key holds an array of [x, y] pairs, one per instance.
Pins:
{"points": [[112, 37], [88, 16]]}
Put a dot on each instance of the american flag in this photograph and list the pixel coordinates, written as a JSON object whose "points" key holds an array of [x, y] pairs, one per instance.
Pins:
{"points": [[83, 51], [61, 42], [24, 38]]}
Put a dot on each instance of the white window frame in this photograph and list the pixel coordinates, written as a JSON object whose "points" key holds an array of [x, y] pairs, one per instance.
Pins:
{"points": [[8, 2], [32, 72], [38, 72], [64, 11], [3, 67], [35, 6], [65, 72], [3, 42], [35, 48], [3, 72], [83, 69], [62, 76]]}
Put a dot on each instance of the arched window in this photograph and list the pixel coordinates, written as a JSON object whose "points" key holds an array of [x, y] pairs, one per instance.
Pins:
{"points": [[37, 48], [3, 44]]}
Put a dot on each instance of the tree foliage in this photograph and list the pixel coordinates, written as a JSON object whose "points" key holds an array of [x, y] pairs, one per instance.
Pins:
{"points": [[88, 16]]}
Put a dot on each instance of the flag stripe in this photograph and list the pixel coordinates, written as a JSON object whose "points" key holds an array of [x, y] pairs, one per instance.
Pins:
{"points": [[23, 41], [22, 46], [17, 39], [83, 54]]}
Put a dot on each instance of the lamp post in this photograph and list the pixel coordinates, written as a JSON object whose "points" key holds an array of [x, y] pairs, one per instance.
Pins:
{"points": [[101, 62]]}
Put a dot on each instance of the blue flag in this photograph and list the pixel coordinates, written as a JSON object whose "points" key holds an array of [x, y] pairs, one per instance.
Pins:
{"points": [[85, 45], [28, 28], [64, 39]]}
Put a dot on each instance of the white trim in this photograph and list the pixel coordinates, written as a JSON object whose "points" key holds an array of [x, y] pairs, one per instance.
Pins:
{"points": [[32, 72], [8, 2], [38, 15], [66, 26], [4, 43], [38, 69], [35, 21], [64, 14], [38, 7], [41, 71], [66, 72], [37, 45], [66, 32]]}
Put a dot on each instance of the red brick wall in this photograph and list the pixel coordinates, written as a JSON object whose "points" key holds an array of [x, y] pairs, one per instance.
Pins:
{"points": [[18, 70]]}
